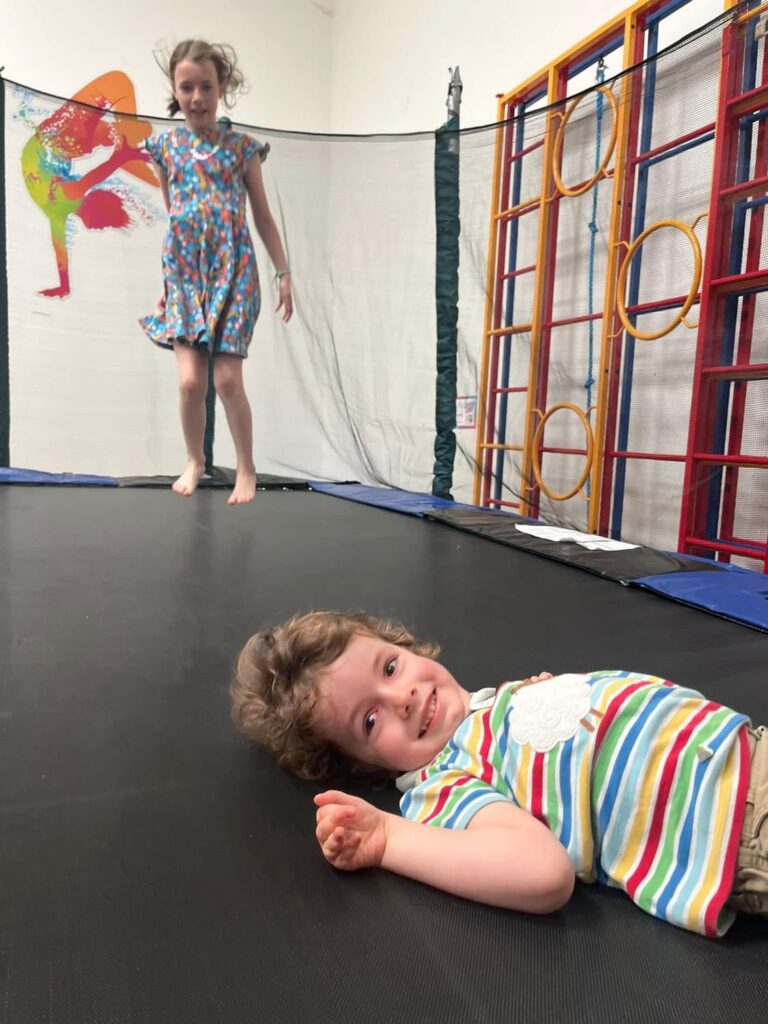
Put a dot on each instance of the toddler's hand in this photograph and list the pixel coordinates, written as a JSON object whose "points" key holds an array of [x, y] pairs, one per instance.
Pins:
{"points": [[351, 832], [535, 679]]}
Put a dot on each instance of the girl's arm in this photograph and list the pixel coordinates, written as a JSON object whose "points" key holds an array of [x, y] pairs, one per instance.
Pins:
{"points": [[505, 857], [268, 233], [162, 177]]}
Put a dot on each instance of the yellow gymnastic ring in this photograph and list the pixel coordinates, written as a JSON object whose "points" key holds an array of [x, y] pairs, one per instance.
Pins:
{"points": [[535, 465], [557, 149], [622, 282]]}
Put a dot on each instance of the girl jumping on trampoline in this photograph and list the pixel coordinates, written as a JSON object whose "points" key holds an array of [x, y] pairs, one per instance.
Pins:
{"points": [[610, 776], [212, 296]]}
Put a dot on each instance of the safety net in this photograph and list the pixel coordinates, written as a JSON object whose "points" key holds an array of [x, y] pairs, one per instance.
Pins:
{"points": [[562, 410]]}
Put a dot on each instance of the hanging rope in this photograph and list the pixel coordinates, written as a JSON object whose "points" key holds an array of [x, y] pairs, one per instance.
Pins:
{"points": [[590, 380]]}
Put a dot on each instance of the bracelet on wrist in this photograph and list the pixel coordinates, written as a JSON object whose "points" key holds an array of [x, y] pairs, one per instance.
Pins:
{"points": [[281, 274]]}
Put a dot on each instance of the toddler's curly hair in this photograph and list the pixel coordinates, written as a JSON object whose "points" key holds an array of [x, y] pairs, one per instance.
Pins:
{"points": [[274, 688]]}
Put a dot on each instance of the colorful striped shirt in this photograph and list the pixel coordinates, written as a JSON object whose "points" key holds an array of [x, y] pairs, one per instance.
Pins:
{"points": [[642, 781]]}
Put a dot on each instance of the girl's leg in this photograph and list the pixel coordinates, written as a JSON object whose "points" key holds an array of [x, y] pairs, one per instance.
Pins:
{"points": [[192, 365], [228, 380]]}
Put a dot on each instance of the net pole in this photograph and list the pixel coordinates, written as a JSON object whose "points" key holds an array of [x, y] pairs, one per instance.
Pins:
{"points": [[447, 226]]}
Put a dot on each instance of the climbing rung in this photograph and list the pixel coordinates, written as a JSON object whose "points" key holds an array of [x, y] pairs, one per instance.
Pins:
{"points": [[659, 304], [526, 151], [754, 12], [748, 102], [503, 447], [755, 550], [527, 206], [757, 186], [503, 504], [752, 281], [746, 461], [500, 332], [569, 320], [517, 273], [740, 371]]}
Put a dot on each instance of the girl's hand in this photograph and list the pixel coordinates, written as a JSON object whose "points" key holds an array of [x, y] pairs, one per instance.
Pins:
{"points": [[285, 297], [351, 832]]}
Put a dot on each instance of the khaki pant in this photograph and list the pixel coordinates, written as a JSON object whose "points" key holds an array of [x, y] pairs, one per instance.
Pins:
{"points": [[750, 883]]}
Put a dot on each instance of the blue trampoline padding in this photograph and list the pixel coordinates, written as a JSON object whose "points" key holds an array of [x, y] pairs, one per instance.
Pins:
{"points": [[410, 502], [726, 590], [35, 476], [734, 593]]}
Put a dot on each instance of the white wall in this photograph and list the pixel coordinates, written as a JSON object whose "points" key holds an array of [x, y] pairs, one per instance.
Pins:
{"points": [[389, 71], [284, 48], [348, 66]]}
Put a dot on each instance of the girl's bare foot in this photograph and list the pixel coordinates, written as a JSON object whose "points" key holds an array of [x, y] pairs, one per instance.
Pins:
{"points": [[187, 482], [245, 488]]}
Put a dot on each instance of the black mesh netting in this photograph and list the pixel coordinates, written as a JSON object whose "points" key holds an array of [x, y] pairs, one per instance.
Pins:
{"points": [[347, 391]]}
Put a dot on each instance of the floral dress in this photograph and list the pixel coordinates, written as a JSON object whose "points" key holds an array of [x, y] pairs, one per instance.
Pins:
{"points": [[212, 295]]}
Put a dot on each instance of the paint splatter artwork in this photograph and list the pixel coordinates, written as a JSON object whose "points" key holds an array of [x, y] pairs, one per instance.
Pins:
{"points": [[80, 161]]}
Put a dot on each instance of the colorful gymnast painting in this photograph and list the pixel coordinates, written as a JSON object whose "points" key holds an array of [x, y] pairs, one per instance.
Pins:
{"points": [[62, 179]]}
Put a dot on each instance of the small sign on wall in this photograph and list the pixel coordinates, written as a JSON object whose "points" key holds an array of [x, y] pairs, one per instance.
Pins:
{"points": [[466, 412]]}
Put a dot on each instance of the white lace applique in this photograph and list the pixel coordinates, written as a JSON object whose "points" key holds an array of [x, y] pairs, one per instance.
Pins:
{"points": [[551, 711]]}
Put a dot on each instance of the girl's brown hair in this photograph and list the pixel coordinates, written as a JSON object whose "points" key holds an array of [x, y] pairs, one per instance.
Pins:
{"points": [[224, 59], [274, 688]]}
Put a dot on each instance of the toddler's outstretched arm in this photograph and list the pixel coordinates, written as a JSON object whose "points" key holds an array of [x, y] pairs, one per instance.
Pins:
{"points": [[505, 857]]}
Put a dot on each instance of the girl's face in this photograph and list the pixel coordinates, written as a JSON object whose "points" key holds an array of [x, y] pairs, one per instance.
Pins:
{"points": [[197, 90]]}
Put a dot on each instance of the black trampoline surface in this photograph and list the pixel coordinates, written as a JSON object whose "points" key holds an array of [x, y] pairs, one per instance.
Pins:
{"points": [[154, 869]]}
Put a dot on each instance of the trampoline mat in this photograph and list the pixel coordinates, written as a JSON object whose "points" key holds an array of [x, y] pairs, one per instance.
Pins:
{"points": [[154, 869]]}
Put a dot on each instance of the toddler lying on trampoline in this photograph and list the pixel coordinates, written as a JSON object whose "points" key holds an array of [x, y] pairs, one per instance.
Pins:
{"points": [[609, 776]]}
